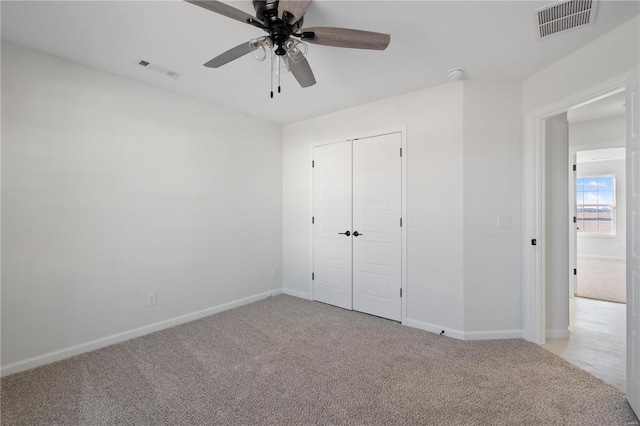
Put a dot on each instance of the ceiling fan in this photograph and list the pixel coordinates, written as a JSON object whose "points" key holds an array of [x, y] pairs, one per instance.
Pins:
{"points": [[282, 20]]}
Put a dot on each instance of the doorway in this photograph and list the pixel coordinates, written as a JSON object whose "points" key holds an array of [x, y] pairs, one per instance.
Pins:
{"points": [[596, 178], [534, 260], [357, 225], [600, 228]]}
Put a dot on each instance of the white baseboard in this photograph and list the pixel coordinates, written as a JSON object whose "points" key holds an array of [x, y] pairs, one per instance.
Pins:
{"points": [[16, 367], [465, 335], [557, 334], [493, 334], [433, 328], [296, 293]]}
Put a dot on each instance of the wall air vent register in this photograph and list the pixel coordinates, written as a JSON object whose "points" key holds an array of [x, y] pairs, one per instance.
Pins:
{"points": [[158, 69]]}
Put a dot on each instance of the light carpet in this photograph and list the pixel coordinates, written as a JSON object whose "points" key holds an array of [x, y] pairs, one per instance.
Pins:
{"points": [[602, 279], [290, 361]]}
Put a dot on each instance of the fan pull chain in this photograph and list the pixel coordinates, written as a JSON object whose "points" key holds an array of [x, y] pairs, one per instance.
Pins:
{"points": [[271, 75], [279, 72]]}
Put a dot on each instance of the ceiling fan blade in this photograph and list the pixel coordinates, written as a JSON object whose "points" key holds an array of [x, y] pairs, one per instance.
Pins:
{"points": [[226, 10], [345, 37], [295, 7], [229, 55], [300, 68]]}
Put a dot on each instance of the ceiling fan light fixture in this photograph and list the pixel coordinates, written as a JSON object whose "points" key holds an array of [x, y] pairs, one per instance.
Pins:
{"points": [[297, 50], [259, 47]]}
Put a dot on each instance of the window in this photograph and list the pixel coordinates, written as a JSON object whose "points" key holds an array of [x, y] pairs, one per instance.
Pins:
{"points": [[595, 204]]}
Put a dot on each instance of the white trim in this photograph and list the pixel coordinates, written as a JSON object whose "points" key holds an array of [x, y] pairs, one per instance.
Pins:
{"points": [[557, 334], [405, 224], [533, 256], [573, 226], [590, 256], [296, 293], [533, 279], [493, 335], [81, 348], [596, 146], [434, 328]]}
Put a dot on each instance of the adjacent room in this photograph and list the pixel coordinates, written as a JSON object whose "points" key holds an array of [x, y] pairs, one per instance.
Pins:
{"points": [[297, 212]]}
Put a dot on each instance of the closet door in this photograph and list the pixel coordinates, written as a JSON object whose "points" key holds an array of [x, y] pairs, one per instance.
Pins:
{"points": [[377, 192], [332, 256]]}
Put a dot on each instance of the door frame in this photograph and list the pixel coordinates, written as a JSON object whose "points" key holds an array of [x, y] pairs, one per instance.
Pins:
{"points": [[402, 129], [533, 261], [573, 229]]}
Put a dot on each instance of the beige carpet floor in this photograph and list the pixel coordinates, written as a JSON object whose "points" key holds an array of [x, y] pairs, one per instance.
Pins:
{"points": [[288, 361], [602, 279]]}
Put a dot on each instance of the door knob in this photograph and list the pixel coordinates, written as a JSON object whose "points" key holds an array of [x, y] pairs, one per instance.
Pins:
{"points": [[345, 233], [356, 233]]}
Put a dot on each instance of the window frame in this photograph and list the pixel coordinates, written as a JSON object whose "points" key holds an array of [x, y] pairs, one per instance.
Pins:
{"points": [[613, 206]]}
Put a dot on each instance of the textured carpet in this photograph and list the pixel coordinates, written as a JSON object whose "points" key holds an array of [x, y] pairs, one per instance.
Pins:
{"points": [[602, 279], [289, 361]]}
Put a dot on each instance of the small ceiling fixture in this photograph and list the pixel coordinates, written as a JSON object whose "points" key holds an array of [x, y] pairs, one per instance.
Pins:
{"points": [[282, 21], [455, 73]]}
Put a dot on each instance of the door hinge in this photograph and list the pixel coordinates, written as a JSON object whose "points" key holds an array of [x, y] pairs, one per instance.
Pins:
{"points": [[575, 219], [534, 242], [313, 219], [574, 167], [313, 276], [313, 164], [401, 222], [400, 292], [400, 152], [575, 271]]}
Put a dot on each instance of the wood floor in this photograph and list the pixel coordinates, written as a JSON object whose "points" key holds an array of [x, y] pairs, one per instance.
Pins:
{"points": [[598, 339]]}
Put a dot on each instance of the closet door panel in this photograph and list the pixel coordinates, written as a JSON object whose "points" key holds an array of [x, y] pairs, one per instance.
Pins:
{"points": [[332, 202], [377, 192]]}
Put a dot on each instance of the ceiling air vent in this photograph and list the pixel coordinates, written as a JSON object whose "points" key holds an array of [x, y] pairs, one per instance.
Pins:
{"points": [[563, 16], [158, 69]]}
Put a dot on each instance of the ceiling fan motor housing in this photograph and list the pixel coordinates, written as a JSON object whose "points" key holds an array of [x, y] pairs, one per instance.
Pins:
{"points": [[279, 30]]}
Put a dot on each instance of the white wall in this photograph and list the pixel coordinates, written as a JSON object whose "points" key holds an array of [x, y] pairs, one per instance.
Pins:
{"points": [[463, 170], [112, 189], [607, 132], [557, 226], [492, 187], [433, 119]]}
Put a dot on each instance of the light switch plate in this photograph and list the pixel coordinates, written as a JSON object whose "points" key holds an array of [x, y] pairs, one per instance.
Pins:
{"points": [[504, 222]]}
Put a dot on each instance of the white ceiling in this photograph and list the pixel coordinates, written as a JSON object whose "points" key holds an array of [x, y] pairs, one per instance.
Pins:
{"points": [[491, 40], [610, 106]]}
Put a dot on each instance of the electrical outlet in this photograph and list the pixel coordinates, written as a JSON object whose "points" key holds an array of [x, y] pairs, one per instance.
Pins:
{"points": [[504, 222], [152, 299], [274, 274]]}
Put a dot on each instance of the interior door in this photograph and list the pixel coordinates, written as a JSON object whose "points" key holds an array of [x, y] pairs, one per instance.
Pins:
{"points": [[332, 255], [633, 239], [377, 192]]}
